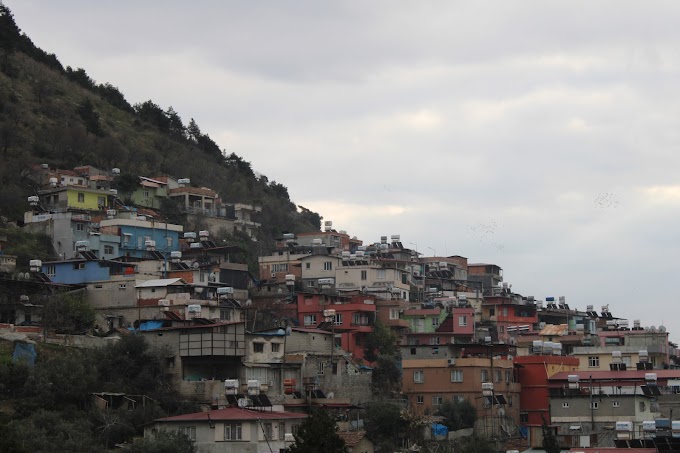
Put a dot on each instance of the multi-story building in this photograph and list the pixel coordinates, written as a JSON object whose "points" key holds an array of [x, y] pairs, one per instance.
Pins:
{"points": [[533, 372], [140, 235], [585, 405], [489, 275], [351, 318], [471, 372], [233, 429]]}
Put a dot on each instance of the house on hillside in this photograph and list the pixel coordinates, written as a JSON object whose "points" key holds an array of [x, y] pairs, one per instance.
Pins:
{"points": [[233, 429]]}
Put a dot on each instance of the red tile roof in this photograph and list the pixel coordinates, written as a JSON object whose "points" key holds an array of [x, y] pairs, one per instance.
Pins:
{"points": [[232, 413]]}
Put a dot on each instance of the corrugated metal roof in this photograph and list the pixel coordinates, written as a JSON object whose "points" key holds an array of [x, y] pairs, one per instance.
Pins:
{"points": [[626, 375], [161, 282], [554, 330]]}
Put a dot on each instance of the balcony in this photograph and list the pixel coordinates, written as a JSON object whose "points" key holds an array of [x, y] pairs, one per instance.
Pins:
{"points": [[397, 322]]}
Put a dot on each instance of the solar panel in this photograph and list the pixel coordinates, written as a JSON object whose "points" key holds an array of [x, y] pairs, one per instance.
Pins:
{"points": [[264, 400], [500, 399], [42, 277], [256, 400], [297, 395], [232, 400], [645, 389], [621, 443], [640, 366], [655, 390]]}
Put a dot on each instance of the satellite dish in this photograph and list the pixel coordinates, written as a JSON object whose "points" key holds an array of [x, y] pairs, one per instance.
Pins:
{"points": [[195, 265], [243, 402], [283, 323], [248, 303]]}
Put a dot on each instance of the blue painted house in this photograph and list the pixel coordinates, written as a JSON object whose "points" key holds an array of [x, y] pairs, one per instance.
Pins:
{"points": [[134, 234], [80, 271]]}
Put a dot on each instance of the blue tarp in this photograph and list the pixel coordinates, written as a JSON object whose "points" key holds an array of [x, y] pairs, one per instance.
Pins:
{"points": [[524, 432], [439, 430], [149, 325], [24, 352]]}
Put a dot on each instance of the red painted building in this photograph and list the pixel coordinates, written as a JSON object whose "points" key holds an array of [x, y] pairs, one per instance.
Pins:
{"points": [[509, 310], [533, 372], [352, 320]]}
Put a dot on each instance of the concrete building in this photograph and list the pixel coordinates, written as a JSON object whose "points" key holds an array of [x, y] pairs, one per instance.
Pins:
{"points": [[136, 233], [233, 429], [585, 405], [428, 382], [201, 356], [351, 320], [533, 373]]}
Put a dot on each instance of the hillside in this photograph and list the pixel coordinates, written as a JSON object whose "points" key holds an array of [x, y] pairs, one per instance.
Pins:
{"points": [[60, 116]]}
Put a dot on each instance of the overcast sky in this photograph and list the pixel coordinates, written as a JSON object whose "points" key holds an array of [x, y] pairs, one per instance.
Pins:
{"points": [[539, 136]]}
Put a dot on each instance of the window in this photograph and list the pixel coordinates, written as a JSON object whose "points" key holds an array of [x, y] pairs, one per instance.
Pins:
{"points": [[363, 275], [225, 314], [595, 405], [565, 405], [258, 347], [394, 313], [434, 340], [268, 430], [594, 362], [413, 351], [101, 201], [189, 431], [499, 376], [505, 311], [168, 241], [307, 266], [80, 226], [458, 398], [320, 365], [643, 406], [616, 404], [328, 265], [276, 347], [508, 376], [78, 266], [485, 375], [435, 321], [280, 267], [456, 375], [282, 430], [233, 431], [420, 399], [418, 377], [51, 270], [524, 417], [337, 319], [146, 194], [294, 428], [380, 274], [81, 197], [462, 321], [310, 320], [437, 400], [108, 250], [492, 311]]}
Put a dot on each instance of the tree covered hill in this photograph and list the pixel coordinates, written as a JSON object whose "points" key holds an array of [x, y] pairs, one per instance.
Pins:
{"points": [[60, 116]]}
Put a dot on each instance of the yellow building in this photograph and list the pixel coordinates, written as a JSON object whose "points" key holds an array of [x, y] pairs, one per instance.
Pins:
{"points": [[75, 197]]}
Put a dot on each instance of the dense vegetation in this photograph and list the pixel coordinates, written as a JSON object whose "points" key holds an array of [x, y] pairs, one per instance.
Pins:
{"points": [[60, 116], [49, 407]]}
